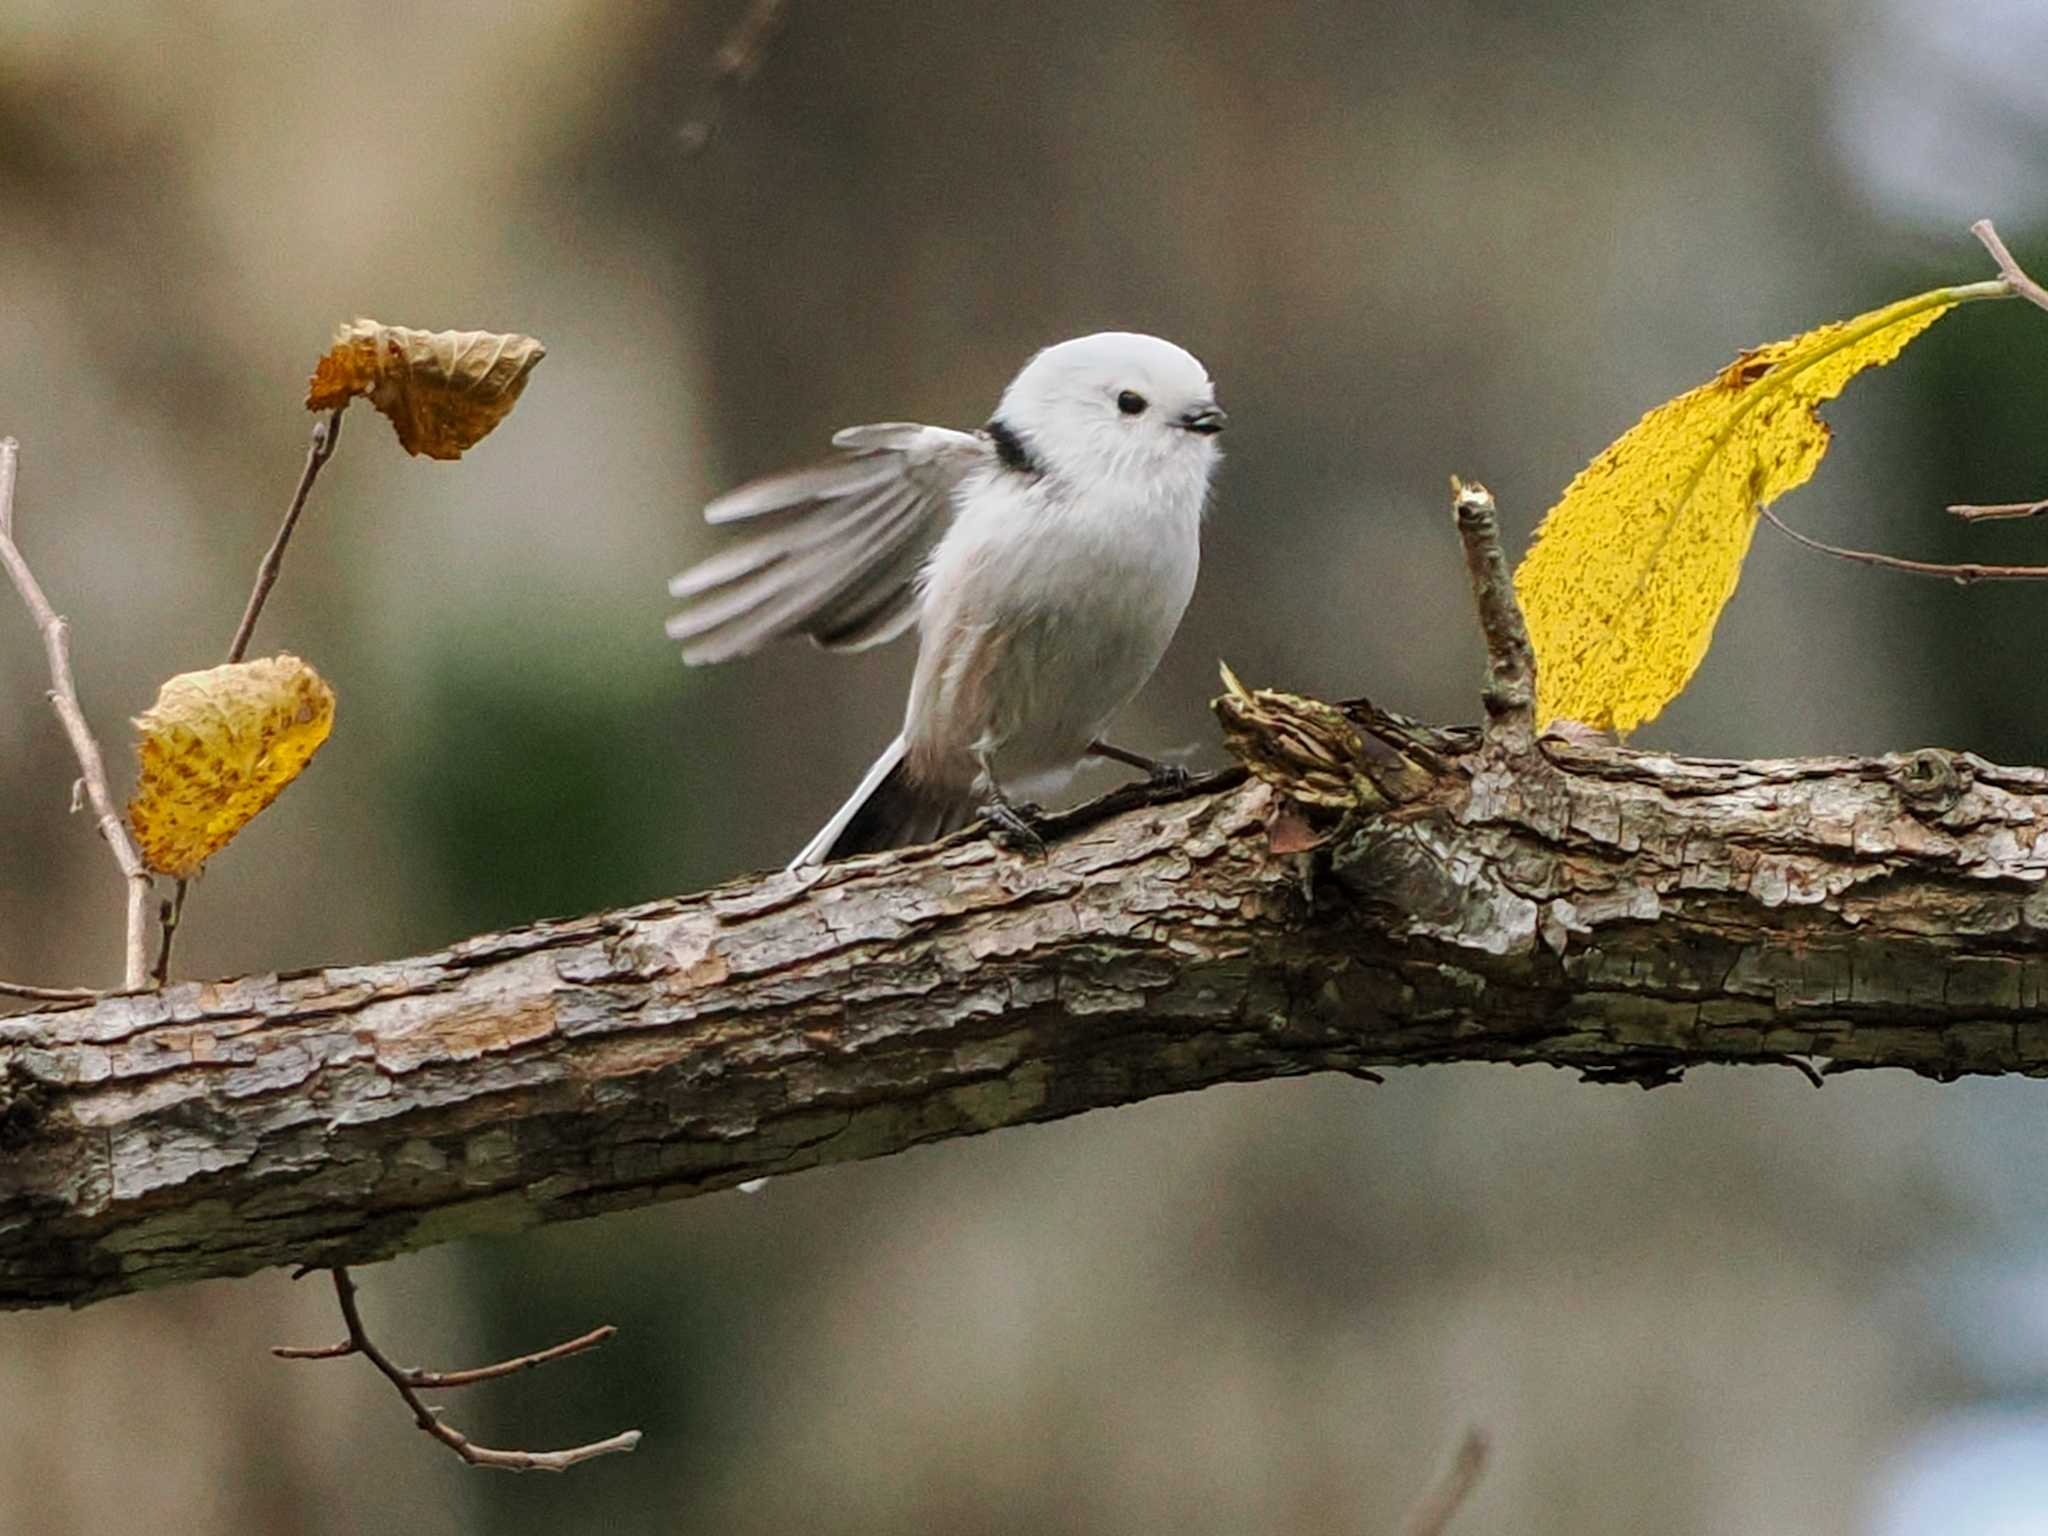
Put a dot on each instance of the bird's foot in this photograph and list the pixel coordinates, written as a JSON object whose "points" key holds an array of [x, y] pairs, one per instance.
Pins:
{"points": [[1015, 826], [1169, 776]]}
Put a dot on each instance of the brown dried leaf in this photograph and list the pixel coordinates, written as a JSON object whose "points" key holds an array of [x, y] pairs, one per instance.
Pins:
{"points": [[1289, 831], [443, 391], [217, 747], [1302, 747]]}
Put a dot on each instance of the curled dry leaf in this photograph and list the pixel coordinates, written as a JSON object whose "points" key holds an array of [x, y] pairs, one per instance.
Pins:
{"points": [[216, 748], [1289, 831], [443, 391], [1304, 748]]}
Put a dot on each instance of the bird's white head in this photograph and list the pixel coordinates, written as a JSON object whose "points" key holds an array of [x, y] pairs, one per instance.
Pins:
{"points": [[1113, 406]]}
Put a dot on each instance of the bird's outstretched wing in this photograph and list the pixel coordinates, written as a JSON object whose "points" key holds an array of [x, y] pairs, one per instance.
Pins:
{"points": [[833, 550]]}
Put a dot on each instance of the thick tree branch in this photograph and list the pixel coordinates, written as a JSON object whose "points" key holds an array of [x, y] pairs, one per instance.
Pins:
{"points": [[1625, 914]]}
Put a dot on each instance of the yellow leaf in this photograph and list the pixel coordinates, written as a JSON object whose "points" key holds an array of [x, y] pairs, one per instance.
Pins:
{"points": [[442, 390], [1632, 567], [216, 748]]}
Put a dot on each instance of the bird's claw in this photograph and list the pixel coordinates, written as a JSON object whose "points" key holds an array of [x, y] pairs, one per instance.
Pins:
{"points": [[1015, 827], [1170, 776]]}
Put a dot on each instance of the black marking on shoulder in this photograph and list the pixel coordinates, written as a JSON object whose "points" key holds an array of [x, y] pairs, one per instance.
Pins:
{"points": [[1011, 449]]}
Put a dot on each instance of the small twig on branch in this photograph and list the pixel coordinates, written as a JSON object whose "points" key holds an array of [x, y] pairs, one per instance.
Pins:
{"points": [[738, 60], [169, 913], [49, 994], [64, 699], [1971, 512], [1432, 1516], [410, 1383], [1510, 662], [1962, 574], [1802, 1066], [434, 1381], [2008, 268], [2016, 279], [441, 1380]]}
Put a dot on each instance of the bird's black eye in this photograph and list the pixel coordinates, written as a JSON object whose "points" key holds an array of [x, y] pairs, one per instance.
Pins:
{"points": [[1130, 402]]}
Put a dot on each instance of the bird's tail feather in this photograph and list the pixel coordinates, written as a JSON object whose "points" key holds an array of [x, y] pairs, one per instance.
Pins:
{"points": [[888, 810]]}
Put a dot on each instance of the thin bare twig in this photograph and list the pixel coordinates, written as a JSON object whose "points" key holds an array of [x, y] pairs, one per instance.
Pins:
{"points": [[410, 1383], [2008, 268], [326, 433], [169, 913], [313, 1351], [1971, 512], [442, 1380], [1432, 1516], [431, 1381], [1962, 574], [2020, 283], [49, 994], [63, 696], [1511, 662], [738, 60], [319, 449]]}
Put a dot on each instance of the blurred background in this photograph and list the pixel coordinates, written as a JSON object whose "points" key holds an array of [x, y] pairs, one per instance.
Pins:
{"points": [[1408, 239]]}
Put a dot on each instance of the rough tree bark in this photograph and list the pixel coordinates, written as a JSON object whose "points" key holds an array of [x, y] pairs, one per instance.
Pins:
{"points": [[1378, 894]]}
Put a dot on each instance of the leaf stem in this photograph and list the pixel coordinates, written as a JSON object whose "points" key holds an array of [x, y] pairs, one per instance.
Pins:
{"points": [[326, 434]]}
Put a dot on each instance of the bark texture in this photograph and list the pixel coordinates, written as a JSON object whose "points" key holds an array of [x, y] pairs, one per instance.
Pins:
{"points": [[1376, 894]]}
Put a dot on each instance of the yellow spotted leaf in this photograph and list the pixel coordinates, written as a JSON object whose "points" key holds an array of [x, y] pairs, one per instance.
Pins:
{"points": [[1632, 567], [442, 390], [216, 748]]}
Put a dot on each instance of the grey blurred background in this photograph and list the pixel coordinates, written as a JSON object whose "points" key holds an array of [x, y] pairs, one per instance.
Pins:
{"points": [[1407, 239]]}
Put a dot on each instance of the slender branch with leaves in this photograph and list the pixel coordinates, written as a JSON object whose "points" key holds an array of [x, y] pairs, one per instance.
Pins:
{"points": [[218, 746], [326, 437]]}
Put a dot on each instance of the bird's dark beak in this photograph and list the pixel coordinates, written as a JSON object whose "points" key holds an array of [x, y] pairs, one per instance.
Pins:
{"points": [[1207, 420]]}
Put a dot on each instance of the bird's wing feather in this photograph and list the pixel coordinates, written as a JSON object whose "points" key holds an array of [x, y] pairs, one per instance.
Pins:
{"points": [[832, 550]]}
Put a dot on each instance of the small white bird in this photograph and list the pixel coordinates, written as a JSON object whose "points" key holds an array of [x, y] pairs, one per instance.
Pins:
{"points": [[1046, 561]]}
